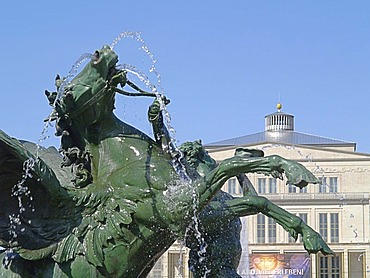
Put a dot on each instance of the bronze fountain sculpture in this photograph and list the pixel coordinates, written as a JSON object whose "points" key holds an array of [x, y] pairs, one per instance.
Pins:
{"points": [[106, 212]]}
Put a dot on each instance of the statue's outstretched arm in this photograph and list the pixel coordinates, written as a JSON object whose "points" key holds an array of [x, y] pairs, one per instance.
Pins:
{"points": [[248, 205]]}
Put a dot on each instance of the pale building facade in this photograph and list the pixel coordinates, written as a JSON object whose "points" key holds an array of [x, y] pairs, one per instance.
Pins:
{"points": [[338, 208]]}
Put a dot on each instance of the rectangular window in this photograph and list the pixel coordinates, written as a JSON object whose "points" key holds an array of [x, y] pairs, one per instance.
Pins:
{"points": [[231, 186], [323, 225], [272, 185], [324, 267], [335, 266], [303, 190], [334, 227], [326, 228], [330, 267], [292, 188], [175, 265], [261, 228], [262, 185], [304, 217], [333, 185], [322, 185], [271, 230]]}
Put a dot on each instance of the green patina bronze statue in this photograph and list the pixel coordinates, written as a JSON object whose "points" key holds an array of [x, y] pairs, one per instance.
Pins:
{"points": [[219, 222], [103, 208]]}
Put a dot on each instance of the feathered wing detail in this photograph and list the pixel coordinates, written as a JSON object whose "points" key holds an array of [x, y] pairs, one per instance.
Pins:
{"points": [[68, 249], [36, 211], [97, 231], [54, 219]]}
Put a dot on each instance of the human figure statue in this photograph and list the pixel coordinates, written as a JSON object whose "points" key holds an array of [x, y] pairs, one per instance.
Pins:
{"points": [[214, 241]]}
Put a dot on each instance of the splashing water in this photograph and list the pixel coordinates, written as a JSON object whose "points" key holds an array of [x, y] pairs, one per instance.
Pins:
{"points": [[194, 228], [137, 36], [126, 34], [176, 154], [21, 192], [178, 194], [139, 74]]}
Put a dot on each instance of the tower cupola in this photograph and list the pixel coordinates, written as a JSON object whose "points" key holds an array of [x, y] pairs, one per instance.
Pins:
{"points": [[279, 121]]}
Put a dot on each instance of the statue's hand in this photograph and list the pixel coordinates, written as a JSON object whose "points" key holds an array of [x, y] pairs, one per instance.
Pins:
{"points": [[119, 78], [155, 109], [297, 174], [314, 243]]}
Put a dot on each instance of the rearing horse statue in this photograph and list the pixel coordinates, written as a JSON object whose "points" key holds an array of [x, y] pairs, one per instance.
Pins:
{"points": [[107, 212]]}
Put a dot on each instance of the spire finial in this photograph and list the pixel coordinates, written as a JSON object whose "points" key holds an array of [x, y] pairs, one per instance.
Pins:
{"points": [[279, 106]]}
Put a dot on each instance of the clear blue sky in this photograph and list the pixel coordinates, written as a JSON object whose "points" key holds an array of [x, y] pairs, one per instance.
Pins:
{"points": [[223, 63]]}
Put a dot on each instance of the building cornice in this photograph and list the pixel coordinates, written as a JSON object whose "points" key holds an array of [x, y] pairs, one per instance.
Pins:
{"points": [[338, 199]]}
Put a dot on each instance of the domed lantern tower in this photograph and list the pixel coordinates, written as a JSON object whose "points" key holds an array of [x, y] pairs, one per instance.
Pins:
{"points": [[279, 121]]}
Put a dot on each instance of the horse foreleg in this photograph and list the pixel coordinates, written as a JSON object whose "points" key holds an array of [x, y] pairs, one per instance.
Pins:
{"points": [[250, 205]]}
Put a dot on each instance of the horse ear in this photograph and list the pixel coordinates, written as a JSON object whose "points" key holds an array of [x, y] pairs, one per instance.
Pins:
{"points": [[96, 56], [199, 141]]}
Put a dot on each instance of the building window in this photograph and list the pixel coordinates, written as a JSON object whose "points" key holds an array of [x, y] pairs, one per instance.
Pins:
{"points": [[323, 225], [330, 266], [267, 185], [262, 232], [176, 265], [322, 185], [231, 186], [271, 230], [333, 185], [334, 226], [261, 228], [292, 188], [262, 185], [272, 185]]}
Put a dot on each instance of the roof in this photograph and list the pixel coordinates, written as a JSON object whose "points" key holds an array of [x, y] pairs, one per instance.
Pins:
{"points": [[281, 136]]}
